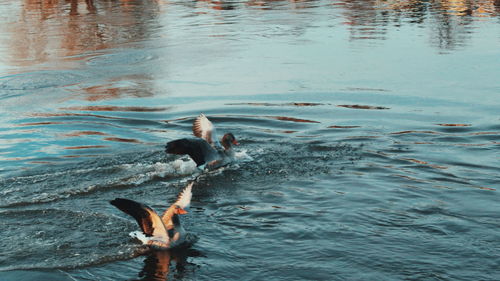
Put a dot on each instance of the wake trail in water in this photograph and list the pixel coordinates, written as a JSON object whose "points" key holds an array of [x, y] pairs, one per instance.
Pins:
{"points": [[49, 187]]}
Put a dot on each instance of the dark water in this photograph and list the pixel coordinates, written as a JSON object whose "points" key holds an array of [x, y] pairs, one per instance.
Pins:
{"points": [[369, 131]]}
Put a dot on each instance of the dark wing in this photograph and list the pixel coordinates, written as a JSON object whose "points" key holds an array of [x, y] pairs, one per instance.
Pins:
{"points": [[198, 149], [148, 220]]}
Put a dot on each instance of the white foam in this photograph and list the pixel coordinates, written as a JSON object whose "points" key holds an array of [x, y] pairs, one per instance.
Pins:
{"points": [[242, 156], [139, 236], [145, 172], [184, 167]]}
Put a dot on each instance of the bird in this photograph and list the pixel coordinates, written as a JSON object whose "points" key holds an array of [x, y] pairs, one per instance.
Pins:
{"points": [[165, 232], [205, 149]]}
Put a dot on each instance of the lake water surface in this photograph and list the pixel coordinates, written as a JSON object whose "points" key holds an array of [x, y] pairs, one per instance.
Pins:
{"points": [[369, 132]]}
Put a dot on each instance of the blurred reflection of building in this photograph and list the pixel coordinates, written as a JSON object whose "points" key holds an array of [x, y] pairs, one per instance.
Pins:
{"points": [[56, 34], [53, 29], [451, 20]]}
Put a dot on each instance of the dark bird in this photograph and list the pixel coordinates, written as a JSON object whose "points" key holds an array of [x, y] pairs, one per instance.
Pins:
{"points": [[205, 149]]}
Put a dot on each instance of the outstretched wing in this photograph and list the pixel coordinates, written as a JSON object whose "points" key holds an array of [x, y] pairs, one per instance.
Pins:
{"points": [[148, 220], [203, 128], [198, 149], [184, 198]]}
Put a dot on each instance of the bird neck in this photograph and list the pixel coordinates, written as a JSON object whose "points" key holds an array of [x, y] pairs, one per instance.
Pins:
{"points": [[226, 144], [176, 220]]}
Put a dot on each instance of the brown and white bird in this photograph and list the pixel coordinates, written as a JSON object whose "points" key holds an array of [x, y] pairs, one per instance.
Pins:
{"points": [[205, 150], [163, 232]]}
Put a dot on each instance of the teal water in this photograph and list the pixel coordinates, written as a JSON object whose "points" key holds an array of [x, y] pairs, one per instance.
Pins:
{"points": [[370, 131]]}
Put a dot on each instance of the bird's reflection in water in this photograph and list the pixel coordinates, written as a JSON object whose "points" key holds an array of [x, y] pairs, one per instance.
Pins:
{"points": [[157, 264]]}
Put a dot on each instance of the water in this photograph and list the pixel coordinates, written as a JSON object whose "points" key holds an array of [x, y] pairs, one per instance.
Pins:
{"points": [[369, 135]]}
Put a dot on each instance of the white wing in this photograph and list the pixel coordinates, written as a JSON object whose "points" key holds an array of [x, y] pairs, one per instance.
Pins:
{"points": [[184, 198], [203, 128]]}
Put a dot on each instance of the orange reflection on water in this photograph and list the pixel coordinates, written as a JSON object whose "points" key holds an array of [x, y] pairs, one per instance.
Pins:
{"points": [[291, 119], [277, 104], [270, 4], [116, 108], [85, 133], [486, 188], [85, 146], [454, 125], [134, 85], [357, 106], [72, 114], [122, 140], [158, 264], [484, 8], [342, 127], [478, 8], [414, 132], [450, 19], [41, 123], [101, 92], [40, 162], [48, 30], [424, 163], [80, 156]]}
